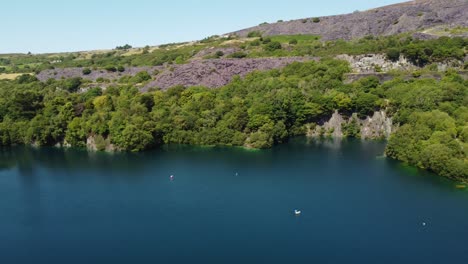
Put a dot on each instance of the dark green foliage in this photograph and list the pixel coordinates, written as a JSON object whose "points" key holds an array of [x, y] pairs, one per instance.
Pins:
{"points": [[293, 42], [219, 54], [272, 46], [316, 20], [254, 34], [255, 43], [26, 78], [87, 71], [124, 47], [140, 77], [238, 55], [351, 129], [393, 54], [248, 112], [111, 68], [265, 40], [72, 85]]}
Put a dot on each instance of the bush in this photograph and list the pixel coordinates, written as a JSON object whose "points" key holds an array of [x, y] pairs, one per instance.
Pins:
{"points": [[316, 20], [265, 40], [238, 55], [140, 77], [124, 47], [111, 69], [219, 54], [72, 85], [272, 46], [86, 71], [254, 34], [255, 43], [293, 42], [120, 69], [393, 54]]}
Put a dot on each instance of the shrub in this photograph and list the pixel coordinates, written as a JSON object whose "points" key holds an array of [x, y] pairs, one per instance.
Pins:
{"points": [[293, 42], [254, 34], [124, 47], [219, 54], [238, 55], [72, 85], [272, 46], [86, 71], [265, 40], [393, 54], [111, 69], [255, 43], [120, 69], [316, 20], [141, 77]]}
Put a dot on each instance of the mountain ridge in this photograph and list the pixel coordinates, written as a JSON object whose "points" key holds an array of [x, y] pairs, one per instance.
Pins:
{"points": [[382, 21]]}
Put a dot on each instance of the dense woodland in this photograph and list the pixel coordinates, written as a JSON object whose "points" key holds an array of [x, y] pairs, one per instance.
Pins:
{"points": [[258, 111]]}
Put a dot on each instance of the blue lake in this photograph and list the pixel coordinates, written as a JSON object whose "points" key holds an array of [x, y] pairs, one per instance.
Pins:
{"points": [[227, 205]]}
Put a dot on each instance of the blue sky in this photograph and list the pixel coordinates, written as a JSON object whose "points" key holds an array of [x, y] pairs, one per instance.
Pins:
{"points": [[71, 25]]}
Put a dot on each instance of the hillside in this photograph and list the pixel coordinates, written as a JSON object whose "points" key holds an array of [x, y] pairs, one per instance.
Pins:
{"points": [[260, 87], [389, 20]]}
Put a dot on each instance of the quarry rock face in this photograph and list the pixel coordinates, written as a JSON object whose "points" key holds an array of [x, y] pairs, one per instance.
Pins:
{"points": [[378, 126], [210, 73], [217, 73], [384, 21], [370, 63]]}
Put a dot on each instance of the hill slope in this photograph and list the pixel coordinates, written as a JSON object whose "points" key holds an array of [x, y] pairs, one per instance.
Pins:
{"points": [[388, 20]]}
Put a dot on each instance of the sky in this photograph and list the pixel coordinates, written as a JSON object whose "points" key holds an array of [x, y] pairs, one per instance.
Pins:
{"points": [[42, 26]]}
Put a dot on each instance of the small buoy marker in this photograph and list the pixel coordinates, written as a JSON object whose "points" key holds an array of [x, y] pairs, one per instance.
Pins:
{"points": [[171, 177], [424, 224]]}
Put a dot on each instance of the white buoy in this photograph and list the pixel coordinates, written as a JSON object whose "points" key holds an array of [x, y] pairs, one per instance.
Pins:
{"points": [[424, 224], [171, 177], [297, 212]]}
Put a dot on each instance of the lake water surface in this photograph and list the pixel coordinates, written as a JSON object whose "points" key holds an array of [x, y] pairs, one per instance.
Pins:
{"points": [[227, 205]]}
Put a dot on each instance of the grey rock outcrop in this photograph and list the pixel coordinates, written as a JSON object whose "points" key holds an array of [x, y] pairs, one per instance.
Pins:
{"points": [[212, 73], [376, 127], [217, 73], [371, 63], [389, 20]]}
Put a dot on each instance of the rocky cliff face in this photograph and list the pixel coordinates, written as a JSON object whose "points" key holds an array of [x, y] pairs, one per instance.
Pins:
{"points": [[210, 73], [371, 63], [389, 20], [98, 143], [338, 126], [218, 72]]}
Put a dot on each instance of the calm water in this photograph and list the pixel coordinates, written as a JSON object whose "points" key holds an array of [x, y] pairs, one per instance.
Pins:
{"points": [[69, 206]]}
